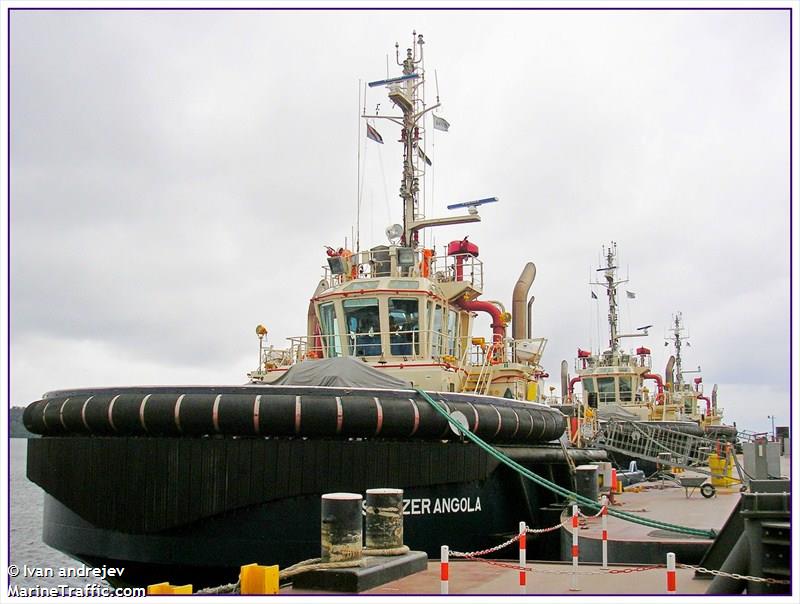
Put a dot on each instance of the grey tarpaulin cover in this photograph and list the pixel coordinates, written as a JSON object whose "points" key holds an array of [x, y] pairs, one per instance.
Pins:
{"points": [[339, 371]]}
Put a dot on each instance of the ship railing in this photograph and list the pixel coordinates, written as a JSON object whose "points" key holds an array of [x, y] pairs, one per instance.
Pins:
{"points": [[607, 360], [409, 344], [399, 262]]}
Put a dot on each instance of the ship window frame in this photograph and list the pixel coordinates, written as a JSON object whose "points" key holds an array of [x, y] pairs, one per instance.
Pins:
{"points": [[415, 339], [626, 396], [331, 339], [603, 391], [356, 341]]}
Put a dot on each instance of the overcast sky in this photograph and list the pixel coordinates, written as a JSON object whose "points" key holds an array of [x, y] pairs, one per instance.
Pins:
{"points": [[175, 176]]}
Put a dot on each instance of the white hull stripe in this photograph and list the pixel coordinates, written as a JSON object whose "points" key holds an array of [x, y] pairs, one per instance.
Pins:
{"points": [[339, 415], [178, 413], [111, 413], [215, 413], [256, 406], [83, 412], [531, 430], [44, 414], [416, 417], [499, 421], [516, 417], [297, 414], [61, 414], [477, 418], [141, 412], [379, 409]]}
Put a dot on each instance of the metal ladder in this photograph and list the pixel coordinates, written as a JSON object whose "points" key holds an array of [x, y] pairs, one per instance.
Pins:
{"points": [[656, 444]]}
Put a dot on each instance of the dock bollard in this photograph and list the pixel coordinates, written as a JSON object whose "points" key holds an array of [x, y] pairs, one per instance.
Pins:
{"points": [[604, 527], [384, 518], [672, 583], [523, 551], [573, 585], [444, 570], [340, 531]]}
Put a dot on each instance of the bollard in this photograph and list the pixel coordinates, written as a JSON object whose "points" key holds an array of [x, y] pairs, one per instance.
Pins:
{"points": [[257, 579], [444, 570], [523, 579], [604, 526], [672, 583], [573, 585], [384, 518], [340, 532]]}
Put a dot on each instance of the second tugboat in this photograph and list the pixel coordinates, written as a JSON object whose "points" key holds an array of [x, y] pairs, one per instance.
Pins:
{"points": [[187, 483]]}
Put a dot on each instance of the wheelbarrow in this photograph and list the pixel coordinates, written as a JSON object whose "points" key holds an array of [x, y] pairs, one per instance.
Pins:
{"points": [[691, 483]]}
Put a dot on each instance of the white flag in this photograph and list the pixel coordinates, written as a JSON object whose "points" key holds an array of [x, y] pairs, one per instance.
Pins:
{"points": [[439, 123]]}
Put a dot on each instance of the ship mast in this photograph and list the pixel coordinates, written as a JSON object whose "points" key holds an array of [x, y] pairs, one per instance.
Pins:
{"points": [[678, 337], [405, 93], [609, 274]]}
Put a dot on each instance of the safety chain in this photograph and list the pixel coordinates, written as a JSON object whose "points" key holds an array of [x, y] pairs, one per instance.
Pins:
{"points": [[719, 573], [533, 531], [528, 569], [597, 515], [483, 552], [514, 539]]}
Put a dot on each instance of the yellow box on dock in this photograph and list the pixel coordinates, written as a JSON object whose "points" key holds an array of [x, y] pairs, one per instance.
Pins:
{"points": [[165, 589], [257, 579], [721, 470]]}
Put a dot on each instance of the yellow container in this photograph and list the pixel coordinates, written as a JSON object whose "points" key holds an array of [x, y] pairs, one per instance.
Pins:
{"points": [[533, 391], [257, 579], [722, 475], [159, 589]]}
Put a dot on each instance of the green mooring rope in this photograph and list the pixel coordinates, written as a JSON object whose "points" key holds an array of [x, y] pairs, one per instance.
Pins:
{"points": [[543, 482]]}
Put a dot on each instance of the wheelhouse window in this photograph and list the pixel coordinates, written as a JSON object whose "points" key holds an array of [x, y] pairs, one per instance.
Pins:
{"points": [[331, 341], [452, 333], [436, 331], [606, 389], [362, 318], [404, 326], [590, 391], [625, 390]]}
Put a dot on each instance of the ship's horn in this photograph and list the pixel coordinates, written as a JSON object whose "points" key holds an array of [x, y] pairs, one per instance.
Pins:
{"points": [[519, 325], [564, 379], [669, 377]]}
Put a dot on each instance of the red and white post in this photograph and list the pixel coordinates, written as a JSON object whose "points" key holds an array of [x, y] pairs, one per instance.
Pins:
{"points": [[523, 552], [672, 581], [604, 528], [573, 585], [444, 570]]}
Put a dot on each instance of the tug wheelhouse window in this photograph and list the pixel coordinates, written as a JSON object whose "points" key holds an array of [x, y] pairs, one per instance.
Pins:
{"points": [[625, 390], [606, 389], [404, 326], [590, 392], [436, 331], [330, 330], [452, 333], [362, 318]]}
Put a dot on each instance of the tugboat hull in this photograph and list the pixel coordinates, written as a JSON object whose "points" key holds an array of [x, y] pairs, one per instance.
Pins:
{"points": [[195, 509]]}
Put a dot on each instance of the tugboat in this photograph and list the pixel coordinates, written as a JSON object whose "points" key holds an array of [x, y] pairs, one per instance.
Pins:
{"points": [[187, 483], [688, 396], [614, 381]]}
